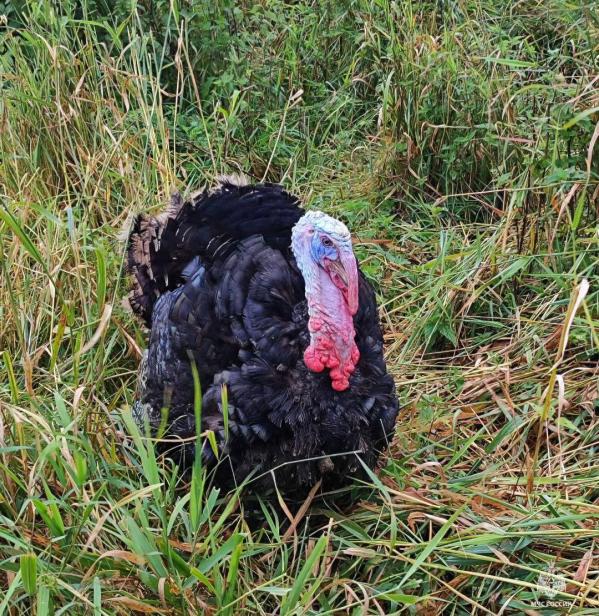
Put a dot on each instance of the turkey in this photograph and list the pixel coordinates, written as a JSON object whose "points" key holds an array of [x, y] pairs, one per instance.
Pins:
{"points": [[265, 303]]}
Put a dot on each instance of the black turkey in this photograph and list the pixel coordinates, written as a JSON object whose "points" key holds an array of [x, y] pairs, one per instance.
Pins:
{"points": [[267, 300]]}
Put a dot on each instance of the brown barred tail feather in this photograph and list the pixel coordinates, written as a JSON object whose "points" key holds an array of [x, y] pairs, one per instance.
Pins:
{"points": [[150, 257]]}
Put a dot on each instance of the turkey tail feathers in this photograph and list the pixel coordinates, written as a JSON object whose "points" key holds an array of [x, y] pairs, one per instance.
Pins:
{"points": [[233, 179], [208, 225], [149, 257]]}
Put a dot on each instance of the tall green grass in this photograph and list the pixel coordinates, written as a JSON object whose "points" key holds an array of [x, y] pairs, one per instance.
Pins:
{"points": [[458, 140]]}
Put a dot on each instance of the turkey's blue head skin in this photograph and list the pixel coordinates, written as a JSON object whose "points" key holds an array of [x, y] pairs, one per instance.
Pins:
{"points": [[323, 251]]}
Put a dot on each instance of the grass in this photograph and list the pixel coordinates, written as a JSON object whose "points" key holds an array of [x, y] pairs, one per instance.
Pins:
{"points": [[458, 140]]}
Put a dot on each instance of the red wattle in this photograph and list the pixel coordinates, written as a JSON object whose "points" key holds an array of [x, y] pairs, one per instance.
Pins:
{"points": [[312, 360], [340, 385], [322, 353]]}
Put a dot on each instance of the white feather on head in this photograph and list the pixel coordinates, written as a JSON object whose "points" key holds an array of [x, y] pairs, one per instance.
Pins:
{"points": [[323, 222]]}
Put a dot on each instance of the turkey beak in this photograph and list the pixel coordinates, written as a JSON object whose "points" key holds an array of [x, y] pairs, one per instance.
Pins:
{"points": [[346, 271]]}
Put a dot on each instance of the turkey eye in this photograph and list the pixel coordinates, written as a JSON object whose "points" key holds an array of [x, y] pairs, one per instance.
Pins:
{"points": [[327, 242]]}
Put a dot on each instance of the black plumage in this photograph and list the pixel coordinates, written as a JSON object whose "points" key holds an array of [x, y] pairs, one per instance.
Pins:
{"points": [[216, 282]]}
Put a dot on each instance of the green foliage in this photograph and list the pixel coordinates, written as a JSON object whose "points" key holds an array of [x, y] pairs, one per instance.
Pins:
{"points": [[458, 140]]}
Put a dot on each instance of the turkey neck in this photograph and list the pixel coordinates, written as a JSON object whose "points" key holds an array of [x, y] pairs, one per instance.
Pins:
{"points": [[331, 328]]}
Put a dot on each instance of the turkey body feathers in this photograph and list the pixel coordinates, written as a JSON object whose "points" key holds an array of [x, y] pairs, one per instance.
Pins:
{"points": [[215, 280]]}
